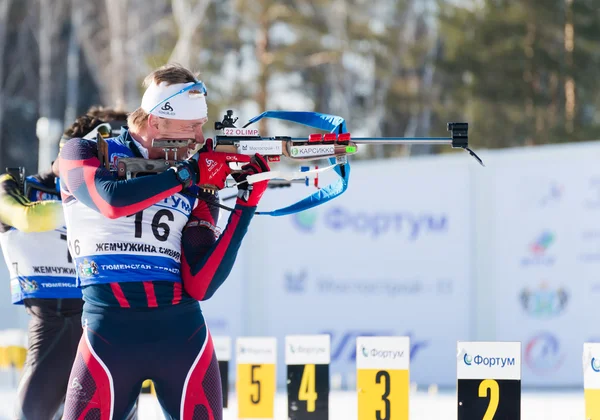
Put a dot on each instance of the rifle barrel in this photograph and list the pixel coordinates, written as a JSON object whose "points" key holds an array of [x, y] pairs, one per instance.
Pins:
{"points": [[404, 140], [389, 140]]}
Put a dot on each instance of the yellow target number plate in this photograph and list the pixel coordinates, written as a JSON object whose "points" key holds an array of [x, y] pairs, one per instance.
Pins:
{"points": [[383, 394]]}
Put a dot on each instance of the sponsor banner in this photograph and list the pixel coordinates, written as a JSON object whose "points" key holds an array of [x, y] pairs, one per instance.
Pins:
{"points": [[488, 360], [380, 260], [256, 350], [222, 347], [306, 151], [591, 365], [263, 147], [544, 256], [231, 131], [383, 353], [307, 349]]}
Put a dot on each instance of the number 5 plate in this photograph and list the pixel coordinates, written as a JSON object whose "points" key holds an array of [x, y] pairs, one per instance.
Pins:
{"points": [[256, 377]]}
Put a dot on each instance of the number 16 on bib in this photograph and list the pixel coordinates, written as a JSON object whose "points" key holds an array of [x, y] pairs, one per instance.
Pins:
{"points": [[382, 377], [489, 380]]}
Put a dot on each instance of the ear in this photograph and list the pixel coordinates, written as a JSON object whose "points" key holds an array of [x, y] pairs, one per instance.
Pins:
{"points": [[153, 122]]}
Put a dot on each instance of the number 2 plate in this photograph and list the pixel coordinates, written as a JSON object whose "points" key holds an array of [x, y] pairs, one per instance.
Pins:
{"points": [[489, 399]]}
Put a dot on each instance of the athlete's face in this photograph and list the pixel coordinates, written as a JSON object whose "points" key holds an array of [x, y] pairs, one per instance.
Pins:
{"points": [[163, 128]]}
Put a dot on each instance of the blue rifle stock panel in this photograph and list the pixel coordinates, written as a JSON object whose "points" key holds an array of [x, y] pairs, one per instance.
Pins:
{"points": [[308, 392], [489, 399], [224, 372]]}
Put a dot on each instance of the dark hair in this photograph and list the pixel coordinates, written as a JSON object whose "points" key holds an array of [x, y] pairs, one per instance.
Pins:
{"points": [[95, 116], [107, 114]]}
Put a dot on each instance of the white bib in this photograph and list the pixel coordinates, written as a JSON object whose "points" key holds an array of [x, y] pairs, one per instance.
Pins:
{"points": [[39, 265], [141, 247]]}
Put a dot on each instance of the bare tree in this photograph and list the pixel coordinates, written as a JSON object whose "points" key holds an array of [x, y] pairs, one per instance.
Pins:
{"points": [[52, 17], [398, 38], [73, 54], [118, 39], [188, 15], [4, 10], [117, 13]]}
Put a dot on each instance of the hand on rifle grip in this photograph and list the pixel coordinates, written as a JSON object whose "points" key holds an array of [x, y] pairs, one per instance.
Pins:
{"points": [[212, 167], [250, 195]]}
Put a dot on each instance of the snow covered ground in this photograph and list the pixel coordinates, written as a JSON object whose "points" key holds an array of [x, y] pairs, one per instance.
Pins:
{"points": [[567, 405]]}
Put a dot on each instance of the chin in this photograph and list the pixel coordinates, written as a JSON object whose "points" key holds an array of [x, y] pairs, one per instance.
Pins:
{"points": [[191, 151]]}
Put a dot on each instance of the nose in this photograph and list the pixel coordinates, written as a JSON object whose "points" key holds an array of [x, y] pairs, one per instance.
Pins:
{"points": [[199, 136]]}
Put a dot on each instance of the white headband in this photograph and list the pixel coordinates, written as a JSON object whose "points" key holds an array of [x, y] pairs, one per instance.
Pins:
{"points": [[182, 101]]}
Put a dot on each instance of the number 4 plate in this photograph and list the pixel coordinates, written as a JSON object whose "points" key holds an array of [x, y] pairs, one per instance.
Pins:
{"points": [[308, 392]]}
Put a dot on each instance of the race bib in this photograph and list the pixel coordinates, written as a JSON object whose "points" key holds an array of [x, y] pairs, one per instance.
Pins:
{"points": [[141, 247], [39, 264]]}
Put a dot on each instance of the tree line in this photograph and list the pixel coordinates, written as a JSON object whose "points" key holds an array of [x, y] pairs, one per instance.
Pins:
{"points": [[521, 72]]}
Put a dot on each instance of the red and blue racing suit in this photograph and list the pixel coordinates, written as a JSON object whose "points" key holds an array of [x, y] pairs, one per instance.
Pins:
{"points": [[145, 254]]}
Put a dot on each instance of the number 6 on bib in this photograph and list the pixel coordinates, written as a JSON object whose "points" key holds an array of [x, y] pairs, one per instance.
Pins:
{"points": [[383, 377]]}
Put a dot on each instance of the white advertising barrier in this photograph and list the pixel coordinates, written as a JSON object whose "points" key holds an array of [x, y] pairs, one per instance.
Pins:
{"points": [[390, 257], [591, 379], [544, 207]]}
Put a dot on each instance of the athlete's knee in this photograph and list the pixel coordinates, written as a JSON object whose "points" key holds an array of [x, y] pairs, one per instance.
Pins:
{"points": [[203, 391], [34, 399], [89, 393]]}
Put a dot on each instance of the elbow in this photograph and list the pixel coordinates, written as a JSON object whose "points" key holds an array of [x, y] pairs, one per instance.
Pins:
{"points": [[111, 212], [200, 297], [30, 224], [193, 289], [209, 293], [25, 227]]}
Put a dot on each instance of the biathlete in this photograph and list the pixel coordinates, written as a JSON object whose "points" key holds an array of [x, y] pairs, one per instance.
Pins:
{"points": [[146, 252]]}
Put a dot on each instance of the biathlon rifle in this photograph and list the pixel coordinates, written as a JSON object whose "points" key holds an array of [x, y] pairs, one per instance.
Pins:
{"points": [[335, 145]]}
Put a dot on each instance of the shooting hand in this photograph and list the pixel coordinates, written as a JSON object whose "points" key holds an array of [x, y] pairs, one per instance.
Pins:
{"points": [[250, 194], [212, 168]]}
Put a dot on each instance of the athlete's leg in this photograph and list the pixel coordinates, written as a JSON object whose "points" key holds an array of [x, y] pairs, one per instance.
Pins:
{"points": [[54, 331], [105, 379], [189, 385]]}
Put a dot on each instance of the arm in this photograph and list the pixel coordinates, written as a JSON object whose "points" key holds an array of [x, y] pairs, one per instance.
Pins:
{"points": [[17, 211], [206, 262], [94, 186]]}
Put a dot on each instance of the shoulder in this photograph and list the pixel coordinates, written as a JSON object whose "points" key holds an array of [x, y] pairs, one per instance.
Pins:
{"points": [[79, 149]]}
